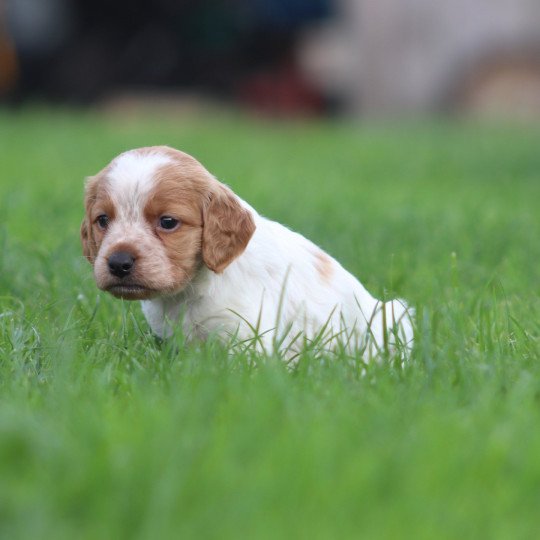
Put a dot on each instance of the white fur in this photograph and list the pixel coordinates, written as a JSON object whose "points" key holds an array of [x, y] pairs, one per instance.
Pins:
{"points": [[274, 286], [131, 178]]}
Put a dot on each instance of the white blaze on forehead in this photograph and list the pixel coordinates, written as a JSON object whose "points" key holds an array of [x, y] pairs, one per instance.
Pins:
{"points": [[131, 178]]}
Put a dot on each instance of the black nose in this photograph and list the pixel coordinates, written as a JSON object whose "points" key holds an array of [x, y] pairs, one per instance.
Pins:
{"points": [[121, 264]]}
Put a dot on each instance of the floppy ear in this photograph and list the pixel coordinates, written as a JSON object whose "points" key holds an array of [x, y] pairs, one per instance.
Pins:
{"points": [[87, 238], [87, 241], [228, 227]]}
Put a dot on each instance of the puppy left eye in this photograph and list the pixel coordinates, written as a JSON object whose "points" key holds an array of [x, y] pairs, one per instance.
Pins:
{"points": [[168, 223], [103, 221]]}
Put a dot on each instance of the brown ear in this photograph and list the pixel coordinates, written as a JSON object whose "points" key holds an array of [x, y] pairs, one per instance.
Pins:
{"points": [[88, 244], [228, 227], [87, 238]]}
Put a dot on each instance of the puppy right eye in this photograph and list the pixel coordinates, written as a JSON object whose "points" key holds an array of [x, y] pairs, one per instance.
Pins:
{"points": [[168, 223], [102, 221]]}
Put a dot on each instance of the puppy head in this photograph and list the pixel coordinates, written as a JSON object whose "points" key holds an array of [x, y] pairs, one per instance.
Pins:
{"points": [[153, 217]]}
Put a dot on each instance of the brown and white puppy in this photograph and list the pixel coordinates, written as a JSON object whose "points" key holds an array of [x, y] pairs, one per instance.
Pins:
{"points": [[161, 229]]}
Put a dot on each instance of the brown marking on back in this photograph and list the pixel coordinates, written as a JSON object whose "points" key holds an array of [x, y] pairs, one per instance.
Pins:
{"points": [[323, 265]]}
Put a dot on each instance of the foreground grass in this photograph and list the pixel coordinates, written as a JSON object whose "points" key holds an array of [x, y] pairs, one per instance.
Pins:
{"points": [[105, 433]]}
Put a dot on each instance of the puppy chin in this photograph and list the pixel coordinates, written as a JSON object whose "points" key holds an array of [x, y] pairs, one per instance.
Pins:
{"points": [[131, 291], [138, 289], [127, 288]]}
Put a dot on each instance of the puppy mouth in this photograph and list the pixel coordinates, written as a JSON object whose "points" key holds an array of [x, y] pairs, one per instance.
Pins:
{"points": [[131, 291]]}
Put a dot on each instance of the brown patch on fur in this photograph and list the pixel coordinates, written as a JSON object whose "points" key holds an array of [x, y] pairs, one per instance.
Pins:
{"points": [[179, 193], [180, 188], [323, 265], [215, 226]]}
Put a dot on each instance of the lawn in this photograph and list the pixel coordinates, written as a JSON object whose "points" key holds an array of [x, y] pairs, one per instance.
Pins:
{"points": [[105, 433]]}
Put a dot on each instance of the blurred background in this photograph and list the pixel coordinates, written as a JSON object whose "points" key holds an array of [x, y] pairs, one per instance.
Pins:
{"points": [[277, 58]]}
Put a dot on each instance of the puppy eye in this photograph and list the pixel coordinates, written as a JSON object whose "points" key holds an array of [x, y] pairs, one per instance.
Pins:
{"points": [[102, 221], [168, 223]]}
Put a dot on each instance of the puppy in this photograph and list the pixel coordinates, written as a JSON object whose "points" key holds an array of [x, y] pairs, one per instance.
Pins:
{"points": [[161, 229]]}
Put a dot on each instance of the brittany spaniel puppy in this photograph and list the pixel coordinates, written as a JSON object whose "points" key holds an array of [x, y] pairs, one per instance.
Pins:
{"points": [[161, 229]]}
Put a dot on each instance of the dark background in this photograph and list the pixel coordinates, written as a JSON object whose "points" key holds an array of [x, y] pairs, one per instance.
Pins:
{"points": [[362, 58], [238, 50]]}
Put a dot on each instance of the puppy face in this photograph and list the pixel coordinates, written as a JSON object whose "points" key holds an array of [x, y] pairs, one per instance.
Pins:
{"points": [[154, 216]]}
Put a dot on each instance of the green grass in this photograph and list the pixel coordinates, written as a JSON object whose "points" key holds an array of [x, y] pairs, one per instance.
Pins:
{"points": [[105, 433]]}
